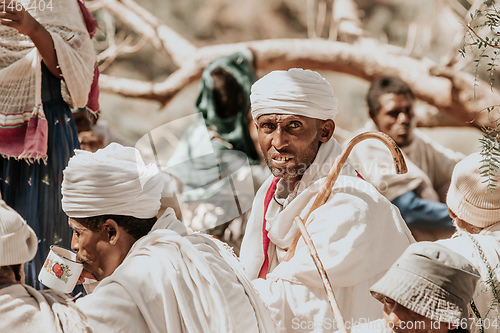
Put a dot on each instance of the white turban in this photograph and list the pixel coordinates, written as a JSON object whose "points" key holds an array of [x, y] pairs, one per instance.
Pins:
{"points": [[296, 91], [111, 181]]}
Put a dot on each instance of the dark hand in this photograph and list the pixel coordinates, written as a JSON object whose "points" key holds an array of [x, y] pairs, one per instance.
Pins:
{"points": [[85, 275], [13, 14]]}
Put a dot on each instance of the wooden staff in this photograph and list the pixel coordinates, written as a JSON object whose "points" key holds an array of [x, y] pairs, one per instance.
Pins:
{"points": [[323, 196]]}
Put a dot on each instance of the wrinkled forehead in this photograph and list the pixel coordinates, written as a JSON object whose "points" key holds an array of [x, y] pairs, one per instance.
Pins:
{"points": [[279, 117]]}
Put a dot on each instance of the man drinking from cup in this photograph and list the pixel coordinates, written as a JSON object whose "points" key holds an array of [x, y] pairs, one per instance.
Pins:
{"points": [[153, 276]]}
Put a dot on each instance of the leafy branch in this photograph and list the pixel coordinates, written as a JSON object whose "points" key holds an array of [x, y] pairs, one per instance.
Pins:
{"points": [[487, 43], [491, 157]]}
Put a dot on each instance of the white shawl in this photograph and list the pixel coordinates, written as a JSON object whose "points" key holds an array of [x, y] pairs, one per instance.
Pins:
{"points": [[358, 235], [427, 163], [489, 241], [171, 283], [25, 310], [20, 71]]}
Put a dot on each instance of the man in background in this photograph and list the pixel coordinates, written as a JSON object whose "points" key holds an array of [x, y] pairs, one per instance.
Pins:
{"points": [[152, 276], [419, 194]]}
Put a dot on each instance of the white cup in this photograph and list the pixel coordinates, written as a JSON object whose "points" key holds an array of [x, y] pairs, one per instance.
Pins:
{"points": [[61, 270]]}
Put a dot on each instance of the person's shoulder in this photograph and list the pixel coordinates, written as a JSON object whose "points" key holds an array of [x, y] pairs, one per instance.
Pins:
{"points": [[353, 186], [460, 244], [420, 138]]}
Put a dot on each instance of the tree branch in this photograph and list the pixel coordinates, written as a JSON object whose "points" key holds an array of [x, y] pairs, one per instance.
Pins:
{"points": [[450, 92], [145, 24]]}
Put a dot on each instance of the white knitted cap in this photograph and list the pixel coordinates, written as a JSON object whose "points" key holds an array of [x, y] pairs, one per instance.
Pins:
{"points": [[18, 242], [467, 196]]}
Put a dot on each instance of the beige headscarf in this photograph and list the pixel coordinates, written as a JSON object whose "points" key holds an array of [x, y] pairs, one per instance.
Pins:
{"points": [[113, 181], [296, 91]]}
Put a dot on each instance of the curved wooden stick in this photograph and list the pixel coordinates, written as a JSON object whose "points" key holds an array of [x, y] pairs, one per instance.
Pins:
{"points": [[337, 315], [333, 174], [322, 197], [337, 166]]}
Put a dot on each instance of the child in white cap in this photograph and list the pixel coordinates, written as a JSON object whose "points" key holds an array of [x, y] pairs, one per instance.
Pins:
{"points": [[476, 214]]}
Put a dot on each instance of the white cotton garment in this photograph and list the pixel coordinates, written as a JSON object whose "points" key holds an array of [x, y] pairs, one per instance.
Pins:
{"points": [[296, 91], [486, 293], [117, 183], [20, 71], [174, 283], [358, 234], [24, 310], [428, 163]]}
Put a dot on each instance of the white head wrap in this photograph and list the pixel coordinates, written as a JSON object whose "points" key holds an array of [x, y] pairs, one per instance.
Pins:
{"points": [[296, 91], [111, 181]]}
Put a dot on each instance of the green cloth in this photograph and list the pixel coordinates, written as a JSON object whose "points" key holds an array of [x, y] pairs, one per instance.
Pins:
{"points": [[233, 130], [204, 174]]}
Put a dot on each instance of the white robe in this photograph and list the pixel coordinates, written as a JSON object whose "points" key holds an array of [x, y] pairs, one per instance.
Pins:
{"points": [[489, 241], [427, 162], [358, 235], [25, 310], [174, 283]]}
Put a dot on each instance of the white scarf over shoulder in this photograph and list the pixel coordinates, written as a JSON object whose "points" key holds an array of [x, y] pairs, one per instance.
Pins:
{"points": [[20, 71], [24, 310], [358, 235], [174, 282], [427, 162], [484, 296]]}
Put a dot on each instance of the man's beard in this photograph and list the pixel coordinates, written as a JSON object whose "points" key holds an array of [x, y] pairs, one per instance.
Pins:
{"points": [[306, 157]]}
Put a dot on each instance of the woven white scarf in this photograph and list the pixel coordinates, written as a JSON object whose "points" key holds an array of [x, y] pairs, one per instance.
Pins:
{"points": [[20, 64]]}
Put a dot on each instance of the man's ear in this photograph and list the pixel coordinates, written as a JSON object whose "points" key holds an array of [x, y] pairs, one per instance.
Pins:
{"points": [[371, 114], [327, 129], [113, 231]]}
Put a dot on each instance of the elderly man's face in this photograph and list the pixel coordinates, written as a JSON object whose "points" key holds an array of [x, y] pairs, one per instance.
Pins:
{"points": [[402, 320], [93, 249], [395, 117], [290, 143]]}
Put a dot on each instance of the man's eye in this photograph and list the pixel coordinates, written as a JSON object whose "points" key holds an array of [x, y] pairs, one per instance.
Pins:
{"points": [[267, 126], [294, 124]]}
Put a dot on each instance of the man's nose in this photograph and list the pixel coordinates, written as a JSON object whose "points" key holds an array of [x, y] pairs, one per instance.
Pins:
{"points": [[403, 118], [279, 139], [74, 242]]}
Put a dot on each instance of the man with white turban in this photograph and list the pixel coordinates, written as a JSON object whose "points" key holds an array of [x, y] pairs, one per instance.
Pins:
{"points": [[357, 232], [152, 276]]}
